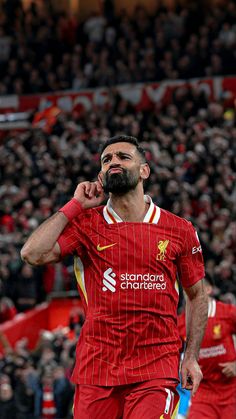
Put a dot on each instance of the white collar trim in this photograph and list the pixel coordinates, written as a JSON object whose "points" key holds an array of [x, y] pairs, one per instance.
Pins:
{"points": [[212, 308], [152, 215]]}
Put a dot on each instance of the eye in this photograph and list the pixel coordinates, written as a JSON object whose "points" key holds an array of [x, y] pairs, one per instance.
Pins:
{"points": [[125, 157], [106, 160]]}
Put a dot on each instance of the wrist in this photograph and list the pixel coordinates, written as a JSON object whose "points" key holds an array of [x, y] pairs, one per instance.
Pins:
{"points": [[190, 356], [72, 209]]}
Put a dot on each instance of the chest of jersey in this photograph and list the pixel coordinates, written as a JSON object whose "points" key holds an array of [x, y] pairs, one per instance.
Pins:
{"points": [[136, 260], [217, 331], [217, 346], [131, 246]]}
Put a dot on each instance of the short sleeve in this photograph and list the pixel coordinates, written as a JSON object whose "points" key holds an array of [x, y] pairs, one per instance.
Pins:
{"points": [[190, 262], [69, 240]]}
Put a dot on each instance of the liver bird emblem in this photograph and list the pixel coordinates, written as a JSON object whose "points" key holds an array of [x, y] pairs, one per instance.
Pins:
{"points": [[162, 246], [217, 333]]}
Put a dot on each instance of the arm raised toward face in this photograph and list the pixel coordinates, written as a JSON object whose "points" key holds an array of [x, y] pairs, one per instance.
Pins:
{"points": [[42, 247]]}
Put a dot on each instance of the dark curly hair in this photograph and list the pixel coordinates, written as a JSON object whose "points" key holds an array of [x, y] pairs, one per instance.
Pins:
{"points": [[124, 139]]}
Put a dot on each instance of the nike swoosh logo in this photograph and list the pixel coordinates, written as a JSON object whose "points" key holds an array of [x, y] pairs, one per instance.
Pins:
{"points": [[101, 248]]}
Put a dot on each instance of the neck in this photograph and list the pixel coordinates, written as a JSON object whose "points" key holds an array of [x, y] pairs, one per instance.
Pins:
{"points": [[131, 206]]}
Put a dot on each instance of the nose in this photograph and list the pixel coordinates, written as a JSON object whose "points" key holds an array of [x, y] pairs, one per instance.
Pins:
{"points": [[115, 161], [114, 165]]}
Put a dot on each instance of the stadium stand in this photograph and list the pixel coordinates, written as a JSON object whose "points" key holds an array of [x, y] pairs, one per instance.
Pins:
{"points": [[185, 43]]}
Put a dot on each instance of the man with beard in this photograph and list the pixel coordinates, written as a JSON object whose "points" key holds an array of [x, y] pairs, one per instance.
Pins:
{"points": [[128, 254]]}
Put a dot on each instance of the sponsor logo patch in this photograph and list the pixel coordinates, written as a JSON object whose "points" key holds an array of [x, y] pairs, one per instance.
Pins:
{"points": [[135, 281], [109, 282], [101, 248], [196, 249]]}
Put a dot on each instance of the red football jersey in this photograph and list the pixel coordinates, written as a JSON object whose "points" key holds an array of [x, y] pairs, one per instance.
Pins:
{"points": [[217, 347], [127, 276]]}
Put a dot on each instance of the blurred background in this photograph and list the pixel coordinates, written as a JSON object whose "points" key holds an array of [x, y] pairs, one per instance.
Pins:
{"points": [[72, 74]]}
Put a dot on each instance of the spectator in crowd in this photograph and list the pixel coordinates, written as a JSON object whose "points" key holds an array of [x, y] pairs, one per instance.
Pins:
{"points": [[26, 289], [24, 377], [7, 401], [53, 394], [7, 307]]}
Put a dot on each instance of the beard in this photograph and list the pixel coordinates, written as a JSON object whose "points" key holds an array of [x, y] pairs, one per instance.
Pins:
{"points": [[120, 183]]}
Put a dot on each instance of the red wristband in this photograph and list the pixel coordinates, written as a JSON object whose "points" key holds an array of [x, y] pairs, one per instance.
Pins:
{"points": [[72, 209]]}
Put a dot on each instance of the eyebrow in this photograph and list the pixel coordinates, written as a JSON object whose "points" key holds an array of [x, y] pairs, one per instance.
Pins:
{"points": [[118, 153]]}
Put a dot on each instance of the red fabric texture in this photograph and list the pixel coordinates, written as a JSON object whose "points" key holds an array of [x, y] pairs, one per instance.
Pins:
{"points": [[217, 347], [150, 399]]}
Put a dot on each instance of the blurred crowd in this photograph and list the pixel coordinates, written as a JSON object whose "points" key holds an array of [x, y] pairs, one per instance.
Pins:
{"points": [[191, 149], [42, 50], [35, 384]]}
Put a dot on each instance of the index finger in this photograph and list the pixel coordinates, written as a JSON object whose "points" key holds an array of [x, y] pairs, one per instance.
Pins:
{"points": [[99, 187], [196, 382]]}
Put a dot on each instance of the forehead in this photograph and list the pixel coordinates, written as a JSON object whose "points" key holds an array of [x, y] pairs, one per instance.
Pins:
{"points": [[119, 147]]}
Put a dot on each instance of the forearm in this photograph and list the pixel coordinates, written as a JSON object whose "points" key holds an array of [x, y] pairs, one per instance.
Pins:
{"points": [[196, 319], [41, 247], [43, 239]]}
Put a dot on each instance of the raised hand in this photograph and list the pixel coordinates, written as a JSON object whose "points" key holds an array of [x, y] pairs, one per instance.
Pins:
{"points": [[89, 194]]}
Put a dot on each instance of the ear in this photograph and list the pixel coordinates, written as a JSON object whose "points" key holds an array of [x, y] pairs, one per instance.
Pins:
{"points": [[144, 171], [100, 178]]}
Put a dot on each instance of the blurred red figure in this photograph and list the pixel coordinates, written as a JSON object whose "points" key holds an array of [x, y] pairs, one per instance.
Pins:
{"points": [[216, 395], [7, 222]]}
